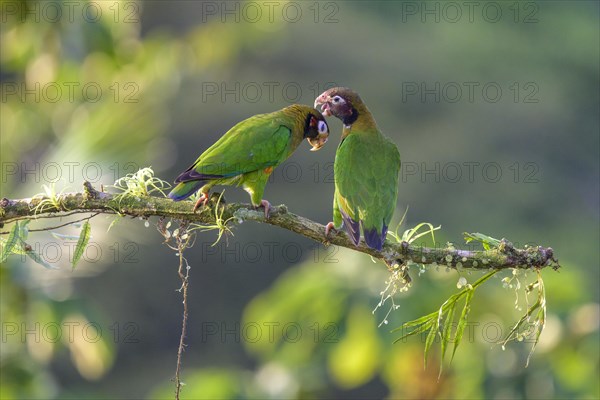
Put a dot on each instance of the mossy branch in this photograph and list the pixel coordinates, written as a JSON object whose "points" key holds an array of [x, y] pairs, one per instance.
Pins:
{"points": [[503, 256]]}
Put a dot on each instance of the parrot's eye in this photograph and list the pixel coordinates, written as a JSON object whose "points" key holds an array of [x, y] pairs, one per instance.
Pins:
{"points": [[323, 127], [337, 99]]}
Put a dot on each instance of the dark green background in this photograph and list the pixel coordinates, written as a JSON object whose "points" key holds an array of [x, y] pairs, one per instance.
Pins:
{"points": [[541, 135]]}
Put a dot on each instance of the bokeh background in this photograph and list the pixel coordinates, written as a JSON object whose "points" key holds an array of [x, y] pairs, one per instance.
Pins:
{"points": [[493, 105]]}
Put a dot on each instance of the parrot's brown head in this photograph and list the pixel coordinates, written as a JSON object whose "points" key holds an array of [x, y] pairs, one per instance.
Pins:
{"points": [[342, 103], [316, 130]]}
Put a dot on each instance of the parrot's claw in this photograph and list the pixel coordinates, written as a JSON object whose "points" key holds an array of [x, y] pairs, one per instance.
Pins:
{"points": [[264, 203], [328, 228], [202, 200]]}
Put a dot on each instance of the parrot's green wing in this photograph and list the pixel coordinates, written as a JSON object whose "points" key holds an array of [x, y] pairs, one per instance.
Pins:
{"points": [[366, 178], [256, 143]]}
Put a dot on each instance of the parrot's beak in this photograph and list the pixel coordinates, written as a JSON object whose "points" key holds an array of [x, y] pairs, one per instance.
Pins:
{"points": [[324, 101], [318, 142]]}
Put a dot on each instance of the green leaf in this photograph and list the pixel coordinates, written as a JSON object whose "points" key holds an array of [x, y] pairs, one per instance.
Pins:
{"points": [[416, 322], [430, 338], [418, 330], [541, 320], [19, 249], [483, 279], [23, 229], [462, 322], [11, 241], [410, 235], [488, 242], [36, 257], [521, 321], [116, 219], [84, 238], [447, 330], [446, 313]]}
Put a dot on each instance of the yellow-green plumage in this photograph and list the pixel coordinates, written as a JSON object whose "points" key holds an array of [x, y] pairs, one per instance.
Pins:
{"points": [[248, 152], [366, 170]]}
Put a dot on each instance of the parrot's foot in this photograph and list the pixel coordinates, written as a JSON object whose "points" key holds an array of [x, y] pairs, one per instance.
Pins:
{"points": [[202, 200], [328, 228], [264, 203]]}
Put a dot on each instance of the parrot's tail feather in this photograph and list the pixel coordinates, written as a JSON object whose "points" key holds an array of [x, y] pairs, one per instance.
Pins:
{"points": [[184, 190], [375, 239], [352, 227], [193, 175]]}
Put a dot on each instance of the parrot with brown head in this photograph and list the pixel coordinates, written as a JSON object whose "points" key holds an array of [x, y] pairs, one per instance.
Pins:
{"points": [[247, 154], [366, 169]]}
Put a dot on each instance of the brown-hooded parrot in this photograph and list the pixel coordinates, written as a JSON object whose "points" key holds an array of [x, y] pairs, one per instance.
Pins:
{"points": [[366, 170], [247, 154]]}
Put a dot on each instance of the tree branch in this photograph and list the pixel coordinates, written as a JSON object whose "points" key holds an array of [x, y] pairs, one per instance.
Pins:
{"points": [[90, 200]]}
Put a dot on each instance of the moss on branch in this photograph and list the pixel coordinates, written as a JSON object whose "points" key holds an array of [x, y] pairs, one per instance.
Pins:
{"points": [[503, 256]]}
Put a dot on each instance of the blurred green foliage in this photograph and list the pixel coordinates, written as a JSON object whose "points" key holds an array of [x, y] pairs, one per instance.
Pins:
{"points": [[173, 76]]}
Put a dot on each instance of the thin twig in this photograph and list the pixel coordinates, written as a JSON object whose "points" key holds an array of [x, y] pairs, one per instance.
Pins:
{"points": [[49, 228], [62, 215], [181, 245]]}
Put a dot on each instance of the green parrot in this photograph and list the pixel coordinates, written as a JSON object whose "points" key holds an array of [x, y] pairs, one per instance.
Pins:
{"points": [[366, 170], [248, 152]]}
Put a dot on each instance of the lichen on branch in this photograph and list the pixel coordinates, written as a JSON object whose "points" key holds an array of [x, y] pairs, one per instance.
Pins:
{"points": [[500, 255]]}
